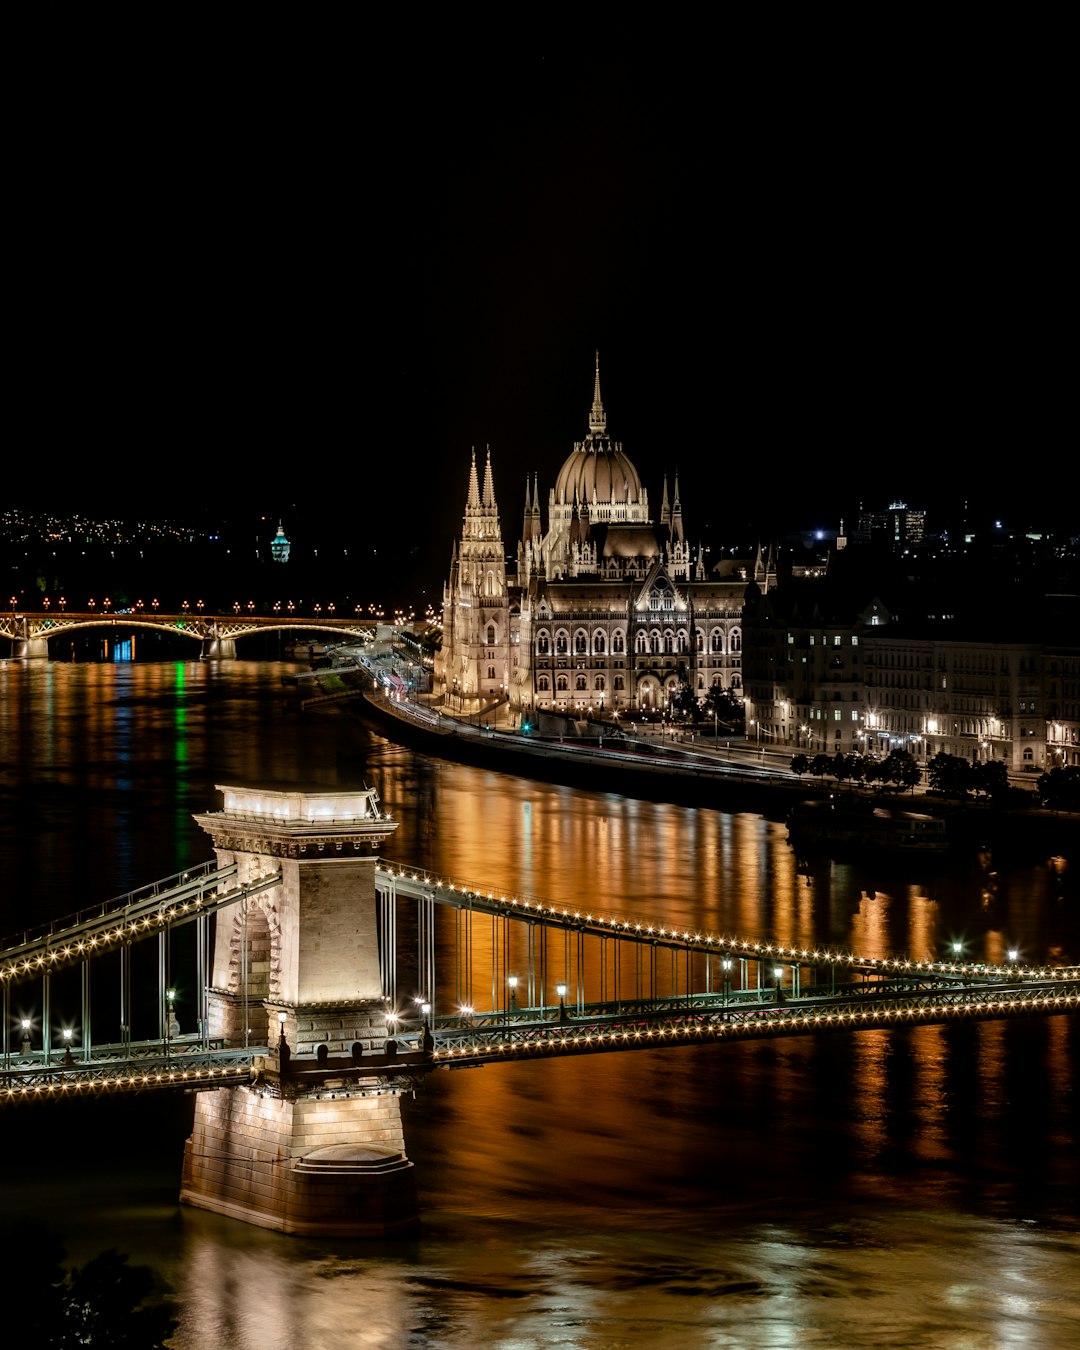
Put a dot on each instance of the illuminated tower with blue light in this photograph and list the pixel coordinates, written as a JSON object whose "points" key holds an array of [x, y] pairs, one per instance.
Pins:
{"points": [[279, 545]]}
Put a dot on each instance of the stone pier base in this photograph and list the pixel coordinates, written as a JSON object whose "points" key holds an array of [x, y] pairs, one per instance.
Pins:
{"points": [[32, 649], [325, 1166], [218, 649]]}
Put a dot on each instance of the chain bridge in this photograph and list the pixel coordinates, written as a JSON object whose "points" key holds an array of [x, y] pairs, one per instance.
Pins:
{"points": [[301, 983]]}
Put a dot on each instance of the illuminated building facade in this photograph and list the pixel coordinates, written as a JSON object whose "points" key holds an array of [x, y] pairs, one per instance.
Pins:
{"points": [[607, 611], [826, 673]]}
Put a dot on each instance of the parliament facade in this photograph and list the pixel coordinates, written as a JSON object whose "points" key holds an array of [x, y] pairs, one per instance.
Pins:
{"points": [[605, 612]]}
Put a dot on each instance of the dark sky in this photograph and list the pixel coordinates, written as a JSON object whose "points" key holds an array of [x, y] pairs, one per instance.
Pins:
{"points": [[307, 272]]}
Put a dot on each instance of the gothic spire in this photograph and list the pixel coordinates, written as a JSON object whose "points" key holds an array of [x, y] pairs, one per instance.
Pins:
{"points": [[489, 489], [474, 485], [597, 418]]}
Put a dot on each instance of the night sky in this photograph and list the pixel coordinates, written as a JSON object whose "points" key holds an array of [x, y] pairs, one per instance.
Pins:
{"points": [[307, 276]]}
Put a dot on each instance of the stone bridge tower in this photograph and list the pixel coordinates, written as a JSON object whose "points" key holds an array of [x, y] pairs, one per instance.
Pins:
{"points": [[314, 1144]]}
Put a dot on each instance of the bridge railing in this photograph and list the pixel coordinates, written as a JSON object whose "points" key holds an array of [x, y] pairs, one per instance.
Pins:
{"points": [[675, 1025], [70, 924]]}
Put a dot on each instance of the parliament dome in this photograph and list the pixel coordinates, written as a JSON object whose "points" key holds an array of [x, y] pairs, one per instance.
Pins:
{"points": [[597, 470]]}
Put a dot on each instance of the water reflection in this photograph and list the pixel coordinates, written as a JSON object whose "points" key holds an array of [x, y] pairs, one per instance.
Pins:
{"points": [[914, 1187]]}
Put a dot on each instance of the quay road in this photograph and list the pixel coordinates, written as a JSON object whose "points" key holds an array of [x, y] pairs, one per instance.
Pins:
{"points": [[638, 765], [645, 762]]}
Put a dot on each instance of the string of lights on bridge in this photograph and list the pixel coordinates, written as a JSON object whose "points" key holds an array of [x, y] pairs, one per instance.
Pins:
{"points": [[126, 1082], [748, 948], [105, 941], [756, 1025]]}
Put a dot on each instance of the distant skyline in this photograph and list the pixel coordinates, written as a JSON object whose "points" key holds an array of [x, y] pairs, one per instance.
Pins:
{"points": [[804, 294]]}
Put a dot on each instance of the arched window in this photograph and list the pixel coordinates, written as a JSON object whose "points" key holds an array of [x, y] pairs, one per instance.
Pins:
{"points": [[654, 642], [717, 641], [618, 683], [599, 643], [599, 684], [562, 685], [736, 681], [699, 640], [543, 684], [491, 635], [736, 640], [581, 644], [543, 643], [669, 641], [618, 641], [682, 642], [580, 684], [561, 644], [641, 642]]}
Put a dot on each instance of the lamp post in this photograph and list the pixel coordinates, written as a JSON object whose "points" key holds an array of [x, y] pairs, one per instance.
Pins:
{"points": [[283, 1044], [69, 1058], [26, 1035], [778, 972], [560, 989], [726, 964], [512, 982]]}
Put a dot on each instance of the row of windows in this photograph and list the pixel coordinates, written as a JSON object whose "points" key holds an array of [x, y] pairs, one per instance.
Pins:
{"points": [[835, 641], [599, 685], [655, 641]]}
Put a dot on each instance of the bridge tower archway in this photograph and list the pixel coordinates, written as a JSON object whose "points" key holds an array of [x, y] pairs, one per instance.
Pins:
{"points": [[314, 1145]]}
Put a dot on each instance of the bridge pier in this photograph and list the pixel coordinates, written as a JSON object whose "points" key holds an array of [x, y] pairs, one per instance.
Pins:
{"points": [[218, 649], [314, 1144], [31, 649]]}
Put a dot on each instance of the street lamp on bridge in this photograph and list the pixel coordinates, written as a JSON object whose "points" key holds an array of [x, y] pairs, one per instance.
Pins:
{"points": [[560, 989]]}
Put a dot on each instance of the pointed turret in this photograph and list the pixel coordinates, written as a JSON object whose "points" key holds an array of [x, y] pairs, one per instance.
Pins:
{"points": [[597, 417], [489, 490], [676, 515], [473, 501]]}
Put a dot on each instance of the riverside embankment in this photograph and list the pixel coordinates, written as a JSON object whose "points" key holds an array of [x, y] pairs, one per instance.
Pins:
{"points": [[638, 767]]}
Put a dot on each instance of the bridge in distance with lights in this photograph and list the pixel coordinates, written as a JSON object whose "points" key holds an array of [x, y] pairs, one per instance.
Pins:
{"points": [[216, 634], [300, 984]]}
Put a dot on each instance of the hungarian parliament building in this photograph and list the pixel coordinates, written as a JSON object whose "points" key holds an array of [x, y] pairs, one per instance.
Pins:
{"points": [[611, 612]]}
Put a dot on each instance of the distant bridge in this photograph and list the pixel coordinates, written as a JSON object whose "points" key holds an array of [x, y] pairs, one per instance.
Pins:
{"points": [[216, 633]]}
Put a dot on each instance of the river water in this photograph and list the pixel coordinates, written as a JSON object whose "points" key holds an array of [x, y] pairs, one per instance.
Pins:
{"points": [[909, 1188]]}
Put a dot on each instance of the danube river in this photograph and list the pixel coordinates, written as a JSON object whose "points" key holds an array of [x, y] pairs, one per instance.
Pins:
{"points": [[909, 1188]]}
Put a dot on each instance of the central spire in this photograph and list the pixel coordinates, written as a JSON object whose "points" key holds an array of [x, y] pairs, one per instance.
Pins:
{"points": [[597, 418]]}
